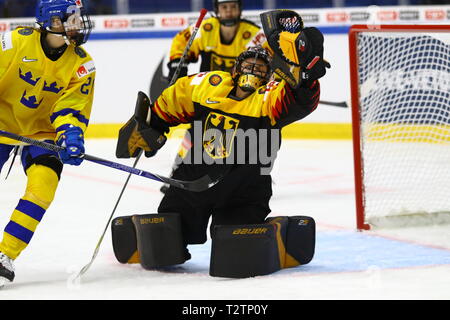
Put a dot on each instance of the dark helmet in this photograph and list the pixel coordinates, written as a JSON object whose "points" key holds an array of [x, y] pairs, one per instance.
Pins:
{"points": [[217, 2], [227, 22], [248, 77], [71, 13]]}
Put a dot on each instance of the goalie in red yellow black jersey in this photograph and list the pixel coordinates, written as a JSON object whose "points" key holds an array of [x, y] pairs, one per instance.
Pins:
{"points": [[218, 43], [236, 120]]}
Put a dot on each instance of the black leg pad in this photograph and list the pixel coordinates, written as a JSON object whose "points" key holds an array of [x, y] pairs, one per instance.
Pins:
{"points": [[300, 240], [159, 240], [296, 239], [124, 240], [241, 251]]}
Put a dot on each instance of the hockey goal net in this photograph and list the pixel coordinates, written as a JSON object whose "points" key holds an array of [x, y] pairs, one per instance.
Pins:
{"points": [[400, 86]]}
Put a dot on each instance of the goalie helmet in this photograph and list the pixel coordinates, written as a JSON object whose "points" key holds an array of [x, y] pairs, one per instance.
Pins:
{"points": [[72, 15], [227, 22], [250, 75]]}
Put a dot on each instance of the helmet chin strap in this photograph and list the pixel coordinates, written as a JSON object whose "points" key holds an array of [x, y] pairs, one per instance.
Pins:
{"points": [[229, 22], [59, 34]]}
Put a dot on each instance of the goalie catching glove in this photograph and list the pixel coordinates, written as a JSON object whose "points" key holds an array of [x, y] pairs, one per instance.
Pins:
{"points": [[298, 51], [137, 134]]}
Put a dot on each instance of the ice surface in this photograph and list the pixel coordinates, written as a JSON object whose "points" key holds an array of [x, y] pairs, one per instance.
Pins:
{"points": [[312, 177]]}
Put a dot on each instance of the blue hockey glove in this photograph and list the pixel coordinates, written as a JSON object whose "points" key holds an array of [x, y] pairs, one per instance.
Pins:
{"points": [[73, 142]]}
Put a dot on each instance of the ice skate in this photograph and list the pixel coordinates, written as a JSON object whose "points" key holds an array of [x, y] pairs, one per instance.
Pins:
{"points": [[6, 270]]}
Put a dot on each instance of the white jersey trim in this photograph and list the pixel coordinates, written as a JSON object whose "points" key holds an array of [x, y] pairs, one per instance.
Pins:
{"points": [[198, 78]]}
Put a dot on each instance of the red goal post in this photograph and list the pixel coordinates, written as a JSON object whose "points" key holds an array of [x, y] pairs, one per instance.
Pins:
{"points": [[364, 80]]}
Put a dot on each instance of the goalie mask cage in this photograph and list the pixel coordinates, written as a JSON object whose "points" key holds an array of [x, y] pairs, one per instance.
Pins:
{"points": [[400, 94]]}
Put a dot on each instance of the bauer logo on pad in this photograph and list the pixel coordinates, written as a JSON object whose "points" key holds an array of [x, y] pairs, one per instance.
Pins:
{"points": [[151, 220], [250, 231]]}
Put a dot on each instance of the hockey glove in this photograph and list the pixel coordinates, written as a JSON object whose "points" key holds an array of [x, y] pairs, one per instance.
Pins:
{"points": [[315, 66], [73, 142], [137, 135], [173, 65], [298, 51]]}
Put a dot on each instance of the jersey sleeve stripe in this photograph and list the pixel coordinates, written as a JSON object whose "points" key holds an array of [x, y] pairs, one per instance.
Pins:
{"points": [[75, 113]]}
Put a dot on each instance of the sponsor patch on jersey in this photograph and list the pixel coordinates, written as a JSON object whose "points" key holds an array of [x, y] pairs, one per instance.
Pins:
{"points": [[6, 41], [208, 27], [246, 35], [80, 52], [86, 69], [26, 31], [215, 80]]}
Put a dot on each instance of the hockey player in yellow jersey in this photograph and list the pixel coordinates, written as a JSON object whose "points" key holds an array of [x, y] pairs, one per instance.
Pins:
{"points": [[236, 121], [46, 93], [219, 41]]}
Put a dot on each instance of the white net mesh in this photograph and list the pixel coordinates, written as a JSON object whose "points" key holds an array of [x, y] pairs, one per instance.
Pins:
{"points": [[404, 105]]}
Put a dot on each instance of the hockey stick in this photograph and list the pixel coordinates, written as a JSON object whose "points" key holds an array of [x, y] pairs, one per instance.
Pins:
{"points": [[188, 46], [97, 248], [198, 185], [342, 104], [158, 82]]}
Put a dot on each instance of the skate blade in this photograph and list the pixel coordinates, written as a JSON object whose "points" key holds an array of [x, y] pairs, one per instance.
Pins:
{"points": [[3, 282]]}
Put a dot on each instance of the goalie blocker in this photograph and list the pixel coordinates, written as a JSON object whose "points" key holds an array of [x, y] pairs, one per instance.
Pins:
{"points": [[260, 249], [137, 134]]}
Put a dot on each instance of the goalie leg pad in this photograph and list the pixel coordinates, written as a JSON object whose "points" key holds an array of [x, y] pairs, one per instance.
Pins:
{"points": [[296, 239], [301, 239], [124, 240], [159, 240], [241, 251]]}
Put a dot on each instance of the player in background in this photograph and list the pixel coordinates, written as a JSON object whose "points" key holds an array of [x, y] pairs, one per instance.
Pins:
{"points": [[46, 93], [218, 43], [222, 107]]}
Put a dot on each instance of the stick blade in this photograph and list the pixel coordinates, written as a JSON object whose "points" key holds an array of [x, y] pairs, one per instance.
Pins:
{"points": [[199, 185], [342, 104]]}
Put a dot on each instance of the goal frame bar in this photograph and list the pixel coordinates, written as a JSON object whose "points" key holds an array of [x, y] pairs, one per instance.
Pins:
{"points": [[354, 90]]}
